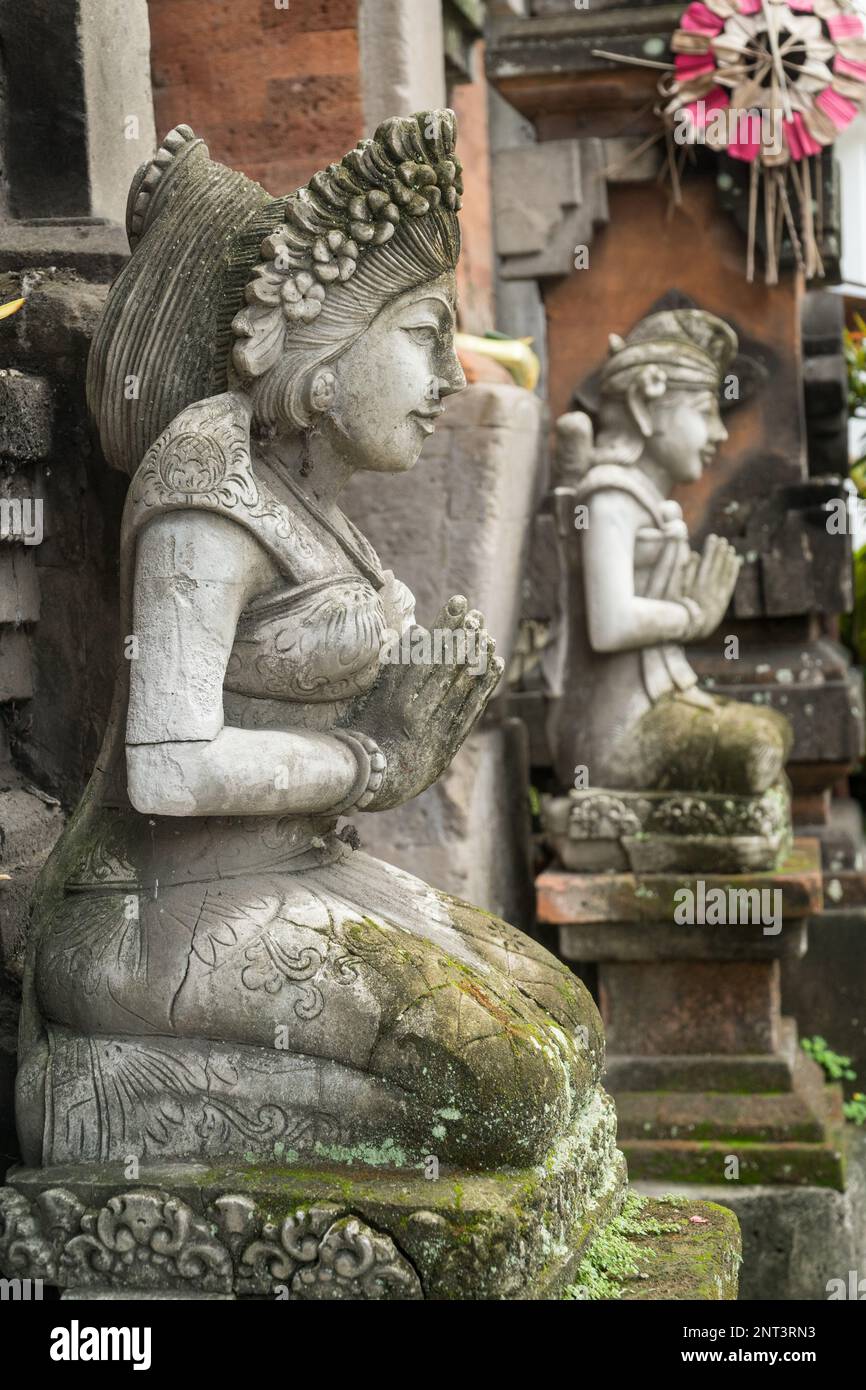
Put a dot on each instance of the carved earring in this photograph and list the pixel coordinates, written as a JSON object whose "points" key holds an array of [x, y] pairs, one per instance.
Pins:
{"points": [[323, 390]]}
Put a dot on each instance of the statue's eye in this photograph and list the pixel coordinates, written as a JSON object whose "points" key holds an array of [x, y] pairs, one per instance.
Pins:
{"points": [[426, 334]]}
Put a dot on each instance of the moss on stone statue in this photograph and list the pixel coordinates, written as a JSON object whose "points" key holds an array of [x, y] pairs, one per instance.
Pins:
{"points": [[505, 1234], [723, 746]]}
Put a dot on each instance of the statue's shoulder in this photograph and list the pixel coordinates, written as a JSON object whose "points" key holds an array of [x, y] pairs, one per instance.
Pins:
{"points": [[201, 459], [616, 477]]}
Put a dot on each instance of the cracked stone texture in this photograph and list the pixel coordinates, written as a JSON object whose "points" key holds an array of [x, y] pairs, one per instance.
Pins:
{"points": [[422, 1026]]}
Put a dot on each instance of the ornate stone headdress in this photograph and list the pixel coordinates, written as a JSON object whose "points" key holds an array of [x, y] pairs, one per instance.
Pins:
{"points": [[345, 212], [689, 347], [222, 274]]}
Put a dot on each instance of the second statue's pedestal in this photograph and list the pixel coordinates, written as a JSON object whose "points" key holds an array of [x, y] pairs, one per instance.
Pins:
{"points": [[714, 1095]]}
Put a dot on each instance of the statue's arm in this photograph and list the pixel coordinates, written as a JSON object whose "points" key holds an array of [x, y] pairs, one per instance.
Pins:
{"points": [[194, 575], [619, 619]]}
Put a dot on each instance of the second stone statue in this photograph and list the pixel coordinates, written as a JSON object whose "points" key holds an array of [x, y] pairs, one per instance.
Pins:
{"points": [[663, 775]]}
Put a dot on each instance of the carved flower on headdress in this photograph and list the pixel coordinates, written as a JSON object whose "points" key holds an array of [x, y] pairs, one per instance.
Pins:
{"points": [[654, 380], [302, 298], [335, 257], [374, 216]]}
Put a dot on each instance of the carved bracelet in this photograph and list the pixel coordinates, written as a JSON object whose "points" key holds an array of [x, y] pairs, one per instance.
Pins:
{"points": [[696, 617], [371, 771]]}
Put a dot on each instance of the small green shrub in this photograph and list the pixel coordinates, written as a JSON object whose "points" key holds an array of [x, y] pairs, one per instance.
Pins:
{"points": [[837, 1067]]}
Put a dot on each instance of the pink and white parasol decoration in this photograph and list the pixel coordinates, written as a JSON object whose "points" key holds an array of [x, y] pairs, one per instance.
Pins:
{"points": [[772, 83]]}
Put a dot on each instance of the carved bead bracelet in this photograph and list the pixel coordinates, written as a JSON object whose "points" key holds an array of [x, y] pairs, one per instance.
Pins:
{"points": [[371, 771]]}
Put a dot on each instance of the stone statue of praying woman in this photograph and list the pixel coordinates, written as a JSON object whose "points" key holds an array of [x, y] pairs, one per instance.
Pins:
{"points": [[629, 708], [214, 970]]}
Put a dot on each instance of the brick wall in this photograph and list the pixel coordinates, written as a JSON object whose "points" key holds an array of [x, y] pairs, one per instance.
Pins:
{"points": [[475, 272], [277, 93], [274, 92]]}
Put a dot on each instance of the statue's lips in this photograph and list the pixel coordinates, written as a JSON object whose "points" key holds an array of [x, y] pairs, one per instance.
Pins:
{"points": [[427, 418]]}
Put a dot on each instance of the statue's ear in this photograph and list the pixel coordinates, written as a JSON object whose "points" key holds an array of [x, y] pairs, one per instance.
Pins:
{"points": [[638, 407], [649, 385], [322, 391]]}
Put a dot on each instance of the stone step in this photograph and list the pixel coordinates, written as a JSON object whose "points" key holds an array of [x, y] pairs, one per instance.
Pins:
{"points": [[706, 1115], [705, 1161], [704, 1071]]}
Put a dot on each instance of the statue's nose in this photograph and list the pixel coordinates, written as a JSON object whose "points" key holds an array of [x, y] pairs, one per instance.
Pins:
{"points": [[454, 378]]}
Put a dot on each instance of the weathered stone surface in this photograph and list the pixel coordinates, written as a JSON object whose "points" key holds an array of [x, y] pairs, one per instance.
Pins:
{"points": [[485, 460], [16, 665], [525, 53], [253, 1229], [470, 833], [8, 1051], [663, 1248], [548, 199], [564, 898], [811, 682], [796, 1240], [744, 1074], [839, 831], [803, 566], [826, 402], [72, 153], [56, 325], [825, 991], [690, 1006], [19, 586], [657, 832], [519, 304], [795, 1116], [401, 68], [26, 416], [30, 822], [786, 1164], [648, 941], [94, 250]]}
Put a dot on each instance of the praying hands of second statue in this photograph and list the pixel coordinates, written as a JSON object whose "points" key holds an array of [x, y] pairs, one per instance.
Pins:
{"points": [[704, 583]]}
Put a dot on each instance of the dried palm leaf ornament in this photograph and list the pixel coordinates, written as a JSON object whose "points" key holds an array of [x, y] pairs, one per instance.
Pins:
{"points": [[771, 83]]}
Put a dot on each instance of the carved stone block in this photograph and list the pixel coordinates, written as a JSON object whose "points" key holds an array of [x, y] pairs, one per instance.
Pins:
{"points": [[660, 831], [548, 200], [260, 1231]]}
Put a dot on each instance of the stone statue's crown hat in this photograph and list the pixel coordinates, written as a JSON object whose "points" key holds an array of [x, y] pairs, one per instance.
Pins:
{"points": [[692, 348], [221, 272]]}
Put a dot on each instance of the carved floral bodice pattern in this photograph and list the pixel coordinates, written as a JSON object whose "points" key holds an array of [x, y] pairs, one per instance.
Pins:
{"points": [[316, 636]]}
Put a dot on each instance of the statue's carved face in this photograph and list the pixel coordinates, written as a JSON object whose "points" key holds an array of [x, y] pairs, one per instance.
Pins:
{"points": [[687, 430], [391, 382]]}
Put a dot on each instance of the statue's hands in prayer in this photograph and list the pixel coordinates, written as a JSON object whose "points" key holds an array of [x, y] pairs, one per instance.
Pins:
{"points": [[426, 700], [705, 584]]}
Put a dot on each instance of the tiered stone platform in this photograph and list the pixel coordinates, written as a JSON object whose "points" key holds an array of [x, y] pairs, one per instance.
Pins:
{"points": [[713, 1093]]}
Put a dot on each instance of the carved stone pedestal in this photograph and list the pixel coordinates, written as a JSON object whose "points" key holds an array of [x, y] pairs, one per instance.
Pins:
{"points": [[660, 831], [711, 1088], [262, 1231]]}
